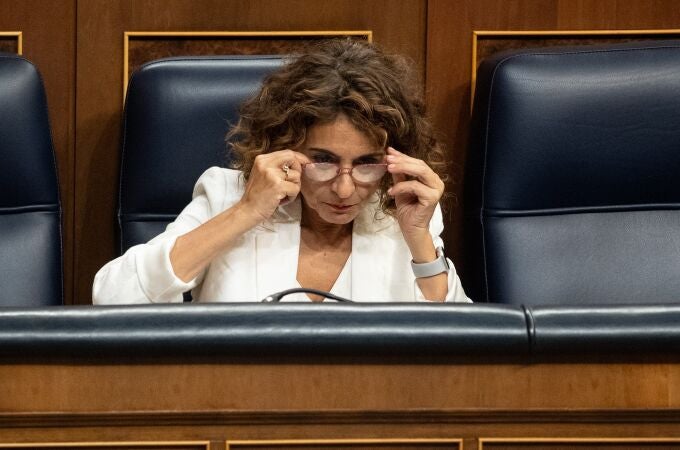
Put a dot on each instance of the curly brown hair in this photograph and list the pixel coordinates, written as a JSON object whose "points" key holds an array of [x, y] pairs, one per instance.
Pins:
{"points": [[376, 91]]}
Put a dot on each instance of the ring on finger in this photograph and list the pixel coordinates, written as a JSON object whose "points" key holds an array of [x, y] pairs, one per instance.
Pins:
{"points": [[286, 169]]}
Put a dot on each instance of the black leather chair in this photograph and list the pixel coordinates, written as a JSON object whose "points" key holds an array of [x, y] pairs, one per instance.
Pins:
{"points": [[572, 192], [30, 213], [177, 115]]}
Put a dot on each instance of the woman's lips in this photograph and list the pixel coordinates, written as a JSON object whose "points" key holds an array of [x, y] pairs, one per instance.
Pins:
{"points": [[339, 207]]}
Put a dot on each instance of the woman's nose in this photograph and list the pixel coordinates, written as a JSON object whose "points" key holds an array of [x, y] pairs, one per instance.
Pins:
{"points": [[343, 185]]}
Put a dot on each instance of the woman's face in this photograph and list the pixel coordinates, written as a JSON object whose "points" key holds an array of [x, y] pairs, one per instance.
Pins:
{"points": [[339, 200]]}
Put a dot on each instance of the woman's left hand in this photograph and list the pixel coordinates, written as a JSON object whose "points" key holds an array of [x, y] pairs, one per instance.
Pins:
{"points": [[416, 191]]}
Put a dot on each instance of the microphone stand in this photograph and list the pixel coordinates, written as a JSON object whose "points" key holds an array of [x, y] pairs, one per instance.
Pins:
{"points": [[276, 297]]}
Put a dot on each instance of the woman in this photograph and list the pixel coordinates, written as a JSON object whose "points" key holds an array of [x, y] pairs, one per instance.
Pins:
{"points": [[332, 192]]}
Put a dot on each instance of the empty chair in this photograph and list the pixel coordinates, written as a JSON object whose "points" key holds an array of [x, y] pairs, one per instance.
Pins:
{"points": [[572, 192], [30, 213], [177, 115]]}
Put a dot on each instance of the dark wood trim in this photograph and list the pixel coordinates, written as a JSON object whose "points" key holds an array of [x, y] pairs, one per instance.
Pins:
{"points": [[321, 417]]}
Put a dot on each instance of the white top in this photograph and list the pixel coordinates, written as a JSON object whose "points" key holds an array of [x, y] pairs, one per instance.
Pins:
{"points": [[264, 260], [342, 286]]}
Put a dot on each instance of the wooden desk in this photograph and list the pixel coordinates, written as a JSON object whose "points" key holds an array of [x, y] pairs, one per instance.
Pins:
{"points": [[213, 378], [460, 404]]}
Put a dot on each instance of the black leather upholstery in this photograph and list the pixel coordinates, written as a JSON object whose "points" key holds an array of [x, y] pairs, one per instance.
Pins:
{"points": [[490, 332], [177, 115], [572, 194], [30, 213], [250, 329], [641, 330]]}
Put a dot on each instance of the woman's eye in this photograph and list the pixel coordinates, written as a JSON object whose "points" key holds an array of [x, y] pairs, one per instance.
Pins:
{"points": [[321, 158]]}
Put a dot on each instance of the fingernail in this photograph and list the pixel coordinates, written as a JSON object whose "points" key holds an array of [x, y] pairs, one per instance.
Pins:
{"points": [[389, 191], [390, 158]]}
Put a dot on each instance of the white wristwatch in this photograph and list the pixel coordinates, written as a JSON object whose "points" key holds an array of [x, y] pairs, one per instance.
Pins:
{"points": [[430, 269]]}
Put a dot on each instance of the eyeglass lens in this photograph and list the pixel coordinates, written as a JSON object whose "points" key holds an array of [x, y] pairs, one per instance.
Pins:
{"points": [[362, 173]]}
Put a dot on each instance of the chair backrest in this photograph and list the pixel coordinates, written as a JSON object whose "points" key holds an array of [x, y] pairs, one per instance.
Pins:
{"points": [[30, 213], [572, 192], [177, 115]]}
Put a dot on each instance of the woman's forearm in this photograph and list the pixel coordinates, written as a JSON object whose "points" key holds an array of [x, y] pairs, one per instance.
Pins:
{"points": [[194, 250]]}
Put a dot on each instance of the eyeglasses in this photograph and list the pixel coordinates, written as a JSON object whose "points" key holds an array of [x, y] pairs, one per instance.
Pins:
{"points": [[361, 173]]}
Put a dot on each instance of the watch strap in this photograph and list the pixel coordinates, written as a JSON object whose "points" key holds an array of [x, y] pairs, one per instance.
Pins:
{"points": [[432, 268]]}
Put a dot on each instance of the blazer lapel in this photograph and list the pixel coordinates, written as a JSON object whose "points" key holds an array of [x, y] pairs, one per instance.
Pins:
{"points": [[368, 274], [370, 251], [277, 247]]}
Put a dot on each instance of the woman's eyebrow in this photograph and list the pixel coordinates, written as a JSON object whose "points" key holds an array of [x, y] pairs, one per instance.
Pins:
{"points": [[377, 154], [321, 150]]}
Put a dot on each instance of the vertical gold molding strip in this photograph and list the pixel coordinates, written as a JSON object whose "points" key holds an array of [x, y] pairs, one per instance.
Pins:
{"points": [[126, 47], [368, 34], [473, 76]]}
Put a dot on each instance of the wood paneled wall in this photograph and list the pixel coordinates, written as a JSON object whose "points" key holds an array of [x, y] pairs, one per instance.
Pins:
{"points": [[78, 47]]}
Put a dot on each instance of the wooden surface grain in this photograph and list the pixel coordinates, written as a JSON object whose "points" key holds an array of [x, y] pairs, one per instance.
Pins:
{"points": [[527, 406]]}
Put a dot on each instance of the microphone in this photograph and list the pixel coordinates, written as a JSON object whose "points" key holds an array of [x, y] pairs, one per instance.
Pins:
{"points": [[276, 297]]}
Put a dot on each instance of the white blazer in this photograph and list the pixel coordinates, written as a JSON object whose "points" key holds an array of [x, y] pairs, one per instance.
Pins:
{"points": [[265, 259]]}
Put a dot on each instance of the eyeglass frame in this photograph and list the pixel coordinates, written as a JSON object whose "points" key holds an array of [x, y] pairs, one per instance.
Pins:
{"points": [[347, 170]]}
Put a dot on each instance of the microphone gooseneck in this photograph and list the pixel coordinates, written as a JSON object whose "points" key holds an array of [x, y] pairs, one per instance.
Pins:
{"points": [[276, 297]]}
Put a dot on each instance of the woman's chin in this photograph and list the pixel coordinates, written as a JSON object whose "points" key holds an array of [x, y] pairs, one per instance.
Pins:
{"points": [[338, 217]]}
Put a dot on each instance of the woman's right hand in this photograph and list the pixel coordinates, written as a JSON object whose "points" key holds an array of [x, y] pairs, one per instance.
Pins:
{"points": [[270, 185]]}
